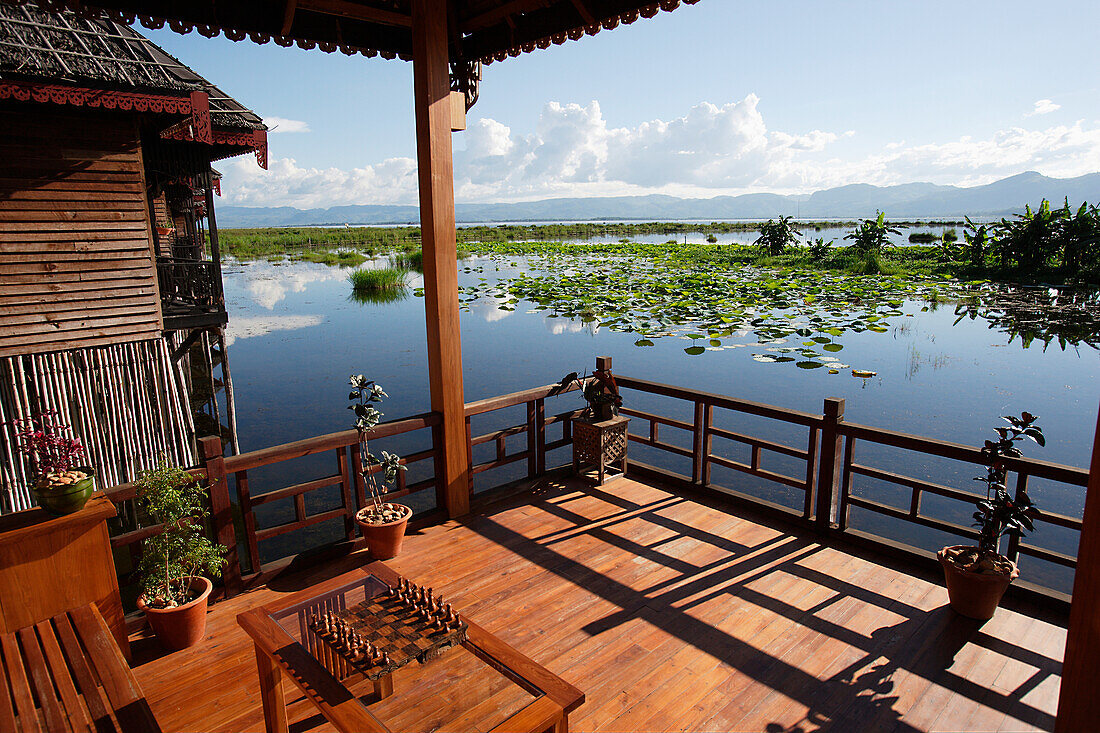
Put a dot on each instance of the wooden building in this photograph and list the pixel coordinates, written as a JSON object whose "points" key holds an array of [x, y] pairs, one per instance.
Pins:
{"points": [[109, 262]]}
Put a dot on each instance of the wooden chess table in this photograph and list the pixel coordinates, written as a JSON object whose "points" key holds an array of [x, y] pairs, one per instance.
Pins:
{"points": [[368, 624]]}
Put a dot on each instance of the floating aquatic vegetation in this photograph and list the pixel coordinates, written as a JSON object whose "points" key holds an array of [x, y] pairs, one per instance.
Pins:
{"points": [[711, 306], [798, 316]]}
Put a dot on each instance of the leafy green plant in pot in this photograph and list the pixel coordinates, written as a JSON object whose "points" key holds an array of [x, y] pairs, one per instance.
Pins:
{"points": [[382, 523], [977, 577], [174, 590], [63, 484], [600, 392]]}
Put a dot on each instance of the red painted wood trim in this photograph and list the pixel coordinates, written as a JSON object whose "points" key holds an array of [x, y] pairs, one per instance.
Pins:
{"points": [[25, 91]]}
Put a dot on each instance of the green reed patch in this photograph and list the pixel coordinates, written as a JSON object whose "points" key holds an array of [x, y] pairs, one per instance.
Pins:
{"points": [[375, 280]]}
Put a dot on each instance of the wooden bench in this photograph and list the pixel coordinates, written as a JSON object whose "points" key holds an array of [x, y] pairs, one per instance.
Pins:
{"points": [[67, 673]]}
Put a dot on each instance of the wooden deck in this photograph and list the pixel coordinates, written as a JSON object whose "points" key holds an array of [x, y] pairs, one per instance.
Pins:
{"points": [[669, 614]]}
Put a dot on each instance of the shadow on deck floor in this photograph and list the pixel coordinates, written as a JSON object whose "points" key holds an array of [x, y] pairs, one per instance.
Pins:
{"points": [[671, 614]]}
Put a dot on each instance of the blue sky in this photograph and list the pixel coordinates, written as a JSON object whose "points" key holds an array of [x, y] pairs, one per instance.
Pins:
{"points": [[723, 97]]}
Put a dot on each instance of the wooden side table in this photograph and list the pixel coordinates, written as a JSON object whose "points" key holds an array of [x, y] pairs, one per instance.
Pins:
{"points": [[600, 443], [51, 564]]}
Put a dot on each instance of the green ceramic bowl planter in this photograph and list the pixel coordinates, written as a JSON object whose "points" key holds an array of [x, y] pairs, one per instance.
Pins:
{"points": [[64, 484], [65, 493]]}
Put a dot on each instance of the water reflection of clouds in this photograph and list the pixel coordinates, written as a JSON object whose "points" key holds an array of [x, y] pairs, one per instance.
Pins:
{"points": [[268, 283], [558, 326], [242, 327], [488, 308]]}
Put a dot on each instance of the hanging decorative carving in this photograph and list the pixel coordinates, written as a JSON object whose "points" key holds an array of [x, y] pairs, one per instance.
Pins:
{"points": [[466, 78], [200, 117]]}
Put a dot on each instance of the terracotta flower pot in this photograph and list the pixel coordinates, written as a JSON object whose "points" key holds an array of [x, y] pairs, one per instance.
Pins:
{"points": [[182, 626], [62, 499], [974, 595], [384, 540]]}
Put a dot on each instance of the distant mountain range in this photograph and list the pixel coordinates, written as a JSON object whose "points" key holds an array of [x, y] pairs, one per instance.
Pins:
{"points": [[910, 200]]}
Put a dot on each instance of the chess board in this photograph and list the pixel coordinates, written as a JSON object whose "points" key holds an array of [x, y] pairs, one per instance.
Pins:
{"points": [[393, 626]]}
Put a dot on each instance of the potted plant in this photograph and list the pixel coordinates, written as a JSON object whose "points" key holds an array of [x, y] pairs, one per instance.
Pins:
{"points": [[977, 577], [600, 392], [164, 228], [381, 523], [173, 590], [63, 484]]}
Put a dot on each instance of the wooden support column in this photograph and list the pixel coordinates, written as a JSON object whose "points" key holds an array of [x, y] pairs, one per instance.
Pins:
{"points": [[432, 95], [828, 475], [1078, 703]]}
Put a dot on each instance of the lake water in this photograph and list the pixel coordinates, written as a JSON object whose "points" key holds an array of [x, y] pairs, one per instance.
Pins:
{"points": [[295, 335]]}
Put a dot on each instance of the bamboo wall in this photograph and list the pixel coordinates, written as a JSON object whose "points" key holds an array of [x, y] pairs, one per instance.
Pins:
{"points": [[76, 261], [128, 403]]}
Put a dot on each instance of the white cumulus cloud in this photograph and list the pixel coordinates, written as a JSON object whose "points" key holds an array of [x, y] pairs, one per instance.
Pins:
{"points": [[708, 151], [282, 124], [1044, 107], [285, 183]]}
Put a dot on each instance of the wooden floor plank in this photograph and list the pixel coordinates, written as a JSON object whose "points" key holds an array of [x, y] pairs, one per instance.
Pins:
{"points": [[670, 614]]}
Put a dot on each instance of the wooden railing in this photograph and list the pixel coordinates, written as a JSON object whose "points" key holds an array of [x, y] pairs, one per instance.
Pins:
{"points": [[1021, 468], [828, 487], [703, 432], [534, 427], [195, 283], [824, 484], [224, 473]]}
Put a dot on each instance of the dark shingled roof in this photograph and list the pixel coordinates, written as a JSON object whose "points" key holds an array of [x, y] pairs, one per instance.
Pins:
{"points": [[483, 30], [64, 48]]}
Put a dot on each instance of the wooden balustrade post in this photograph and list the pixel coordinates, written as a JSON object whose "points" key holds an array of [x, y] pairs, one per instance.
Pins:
{"points": [[437, 468], [532, 440], [221, 510], [1013, 552], [540, 435], [828, 475], [697, 443]]}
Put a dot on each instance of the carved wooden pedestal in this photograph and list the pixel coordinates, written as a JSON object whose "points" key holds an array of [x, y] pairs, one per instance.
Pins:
{"points": [[600, 443], [52, 564]]}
